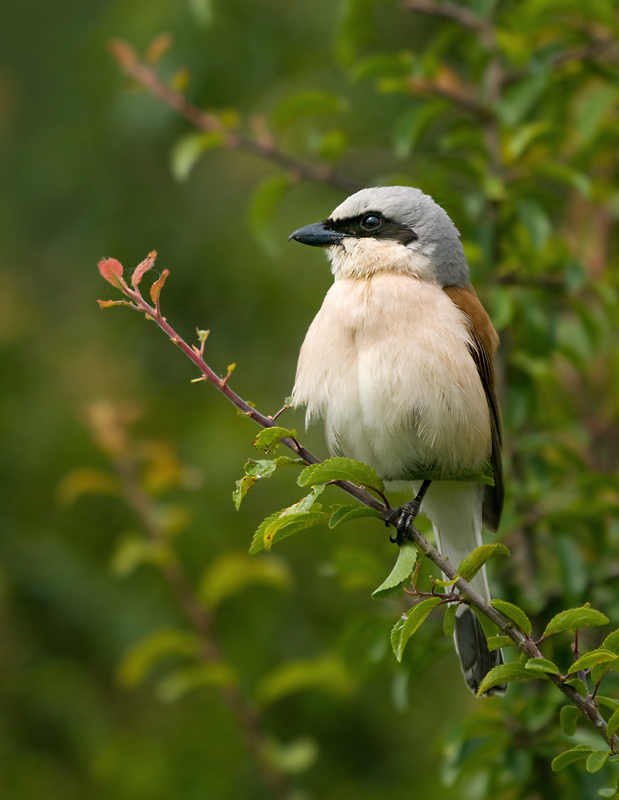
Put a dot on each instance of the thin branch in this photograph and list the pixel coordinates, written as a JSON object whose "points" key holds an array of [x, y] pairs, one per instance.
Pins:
{"points": [[111, 270], [262, 146]]}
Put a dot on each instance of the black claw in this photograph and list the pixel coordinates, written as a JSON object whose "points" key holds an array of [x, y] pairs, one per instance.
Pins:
{"points": [[407, 514]]}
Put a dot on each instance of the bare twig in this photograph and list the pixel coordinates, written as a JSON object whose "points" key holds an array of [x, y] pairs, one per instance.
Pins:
{"points": [[262, 146]]}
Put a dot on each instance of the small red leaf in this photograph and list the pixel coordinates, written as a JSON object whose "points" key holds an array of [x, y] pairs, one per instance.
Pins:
{"points": [[112, 271], [155, 289], [141, 269]]}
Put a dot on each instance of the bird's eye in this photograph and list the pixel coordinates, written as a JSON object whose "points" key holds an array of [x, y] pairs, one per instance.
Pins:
{"points": [[371, 222]]}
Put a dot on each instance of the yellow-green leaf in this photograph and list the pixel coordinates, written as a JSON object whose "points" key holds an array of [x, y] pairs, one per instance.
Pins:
{"points": [[346, 513], [400, 574], [341, 469], [234, 572], [475, 560], [505, 673], [575, 618], [325, 673], [269, 438], [182, 681], [514, 613], [571, 756], [589, 659], [410, 623], [150, 651]]}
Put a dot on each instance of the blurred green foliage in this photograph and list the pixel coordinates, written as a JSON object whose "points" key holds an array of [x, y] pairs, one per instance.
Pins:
{"points": [[510, 122]]}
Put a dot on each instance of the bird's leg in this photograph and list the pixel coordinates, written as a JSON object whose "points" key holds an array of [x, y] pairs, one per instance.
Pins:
{"points": [[406, 515]]}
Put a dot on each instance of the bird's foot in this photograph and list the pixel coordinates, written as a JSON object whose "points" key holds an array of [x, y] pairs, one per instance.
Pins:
{"points": [[405, 516]]}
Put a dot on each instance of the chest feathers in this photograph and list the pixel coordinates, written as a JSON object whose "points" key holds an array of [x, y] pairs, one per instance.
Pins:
{"points": [[386, 363]]}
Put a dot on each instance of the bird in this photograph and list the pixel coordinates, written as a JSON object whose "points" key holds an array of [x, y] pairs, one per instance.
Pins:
{"points": [[399, 364]]}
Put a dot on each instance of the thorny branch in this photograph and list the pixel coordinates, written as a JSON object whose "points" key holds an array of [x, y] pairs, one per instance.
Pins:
{"points": [[112, 271], [261, 145]]}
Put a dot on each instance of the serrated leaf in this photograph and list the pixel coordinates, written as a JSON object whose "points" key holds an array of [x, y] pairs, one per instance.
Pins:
{"points": [[575, 618], [569, 720], [341, 469], [570, 757], [305, 104], [255, 470], [598, 671], [287, 522], [496, 642], [400, 574], [514, 613], [608, 702], [543, 664], [182, 681], [589, 659], [596, 760], [153, 649], [347, 513], [269, 438], [611, 642], [613, 724], [471, 565], [264, 203], [579, 685], [326, 673], [449, 620], [188, 149], [410, 623], [232, 573], [506, 673]]}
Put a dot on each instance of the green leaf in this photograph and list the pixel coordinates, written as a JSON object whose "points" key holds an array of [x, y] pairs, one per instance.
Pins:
{"points": [[410, 623], [575, 618], [495, 642], [613, 724], [598, 671], [332, 145], [543, 664], [269, 438], [293, 757], [233, 572], [589, 659], [400, 574], [325, 673], [449, 620], [293, 519], [188, 149], [304, 104], [571, 756], [506, 673], [340, 469], [611, 642], [612, 793], [569, 720], [579, 685], [255, 470], [596, 760], [133, 551], [471, 565], [514, 613], [343, 514], [182, 681], [608, 702], [150, 651], [265, 201]]}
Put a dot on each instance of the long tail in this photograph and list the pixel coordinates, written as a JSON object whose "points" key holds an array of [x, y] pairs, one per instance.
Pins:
{"points": [[455, 511]]}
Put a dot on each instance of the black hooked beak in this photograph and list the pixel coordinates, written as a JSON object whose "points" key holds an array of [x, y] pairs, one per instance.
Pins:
{"points": [[317, 235]]}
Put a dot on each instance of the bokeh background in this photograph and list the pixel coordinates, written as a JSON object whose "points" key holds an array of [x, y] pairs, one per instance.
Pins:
{"points": [[511, 124]]}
